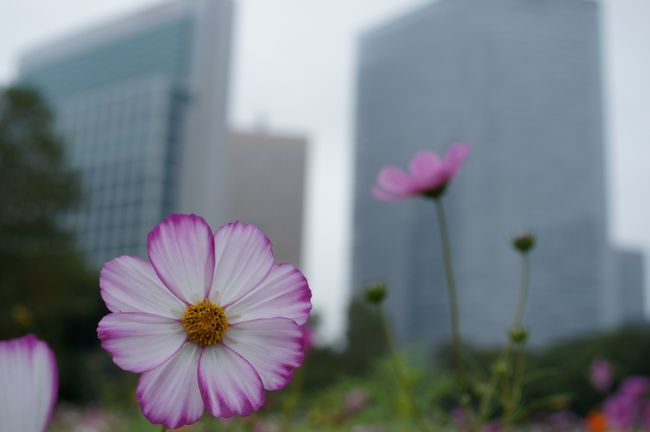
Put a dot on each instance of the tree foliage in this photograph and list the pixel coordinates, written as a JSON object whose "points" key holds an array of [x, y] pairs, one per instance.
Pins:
{"points": [[45, 286]]}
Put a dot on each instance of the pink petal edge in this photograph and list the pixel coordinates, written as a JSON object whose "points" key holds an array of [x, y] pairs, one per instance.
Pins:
{"points": [[396, 181], [181, 251], [243, 259], [382, 195], [130, 284], [283, 293], [169, 395], [275, 347], [139, 342], [32, 346], [231, 386]]}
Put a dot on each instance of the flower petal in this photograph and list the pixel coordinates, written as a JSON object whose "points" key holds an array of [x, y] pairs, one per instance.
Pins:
{"points": [[424, 166], [130, 284], [274, 347], [455, 157], [283, 293], [181, 251], [138, 341], [229, 384], [382, 195], [29, 384], [243, 259], [396, 181], [169, 395]]}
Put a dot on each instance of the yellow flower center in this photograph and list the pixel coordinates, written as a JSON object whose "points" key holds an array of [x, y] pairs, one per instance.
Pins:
{"points": [[205, 323]]}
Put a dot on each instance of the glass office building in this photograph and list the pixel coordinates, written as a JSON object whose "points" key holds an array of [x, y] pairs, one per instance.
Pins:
{"points": [[520, 80], [140, 102]]}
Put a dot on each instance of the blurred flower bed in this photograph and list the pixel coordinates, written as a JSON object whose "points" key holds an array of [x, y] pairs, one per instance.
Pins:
{"points": [[587, 394]]}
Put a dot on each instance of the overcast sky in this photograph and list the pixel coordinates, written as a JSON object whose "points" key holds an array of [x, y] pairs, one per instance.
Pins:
{"points": [[293, 67]]}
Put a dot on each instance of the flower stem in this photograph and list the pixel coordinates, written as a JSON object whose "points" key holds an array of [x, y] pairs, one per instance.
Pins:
{"points": [[520, 368], [399, 373], [453, 299], [486, 400], [523, 293], [163, 429], [518, 376]]}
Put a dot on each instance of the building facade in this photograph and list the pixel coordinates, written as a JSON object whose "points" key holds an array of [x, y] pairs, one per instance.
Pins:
{"points": [[630, 279], [141, 104], [267, 187], [521, 81]]}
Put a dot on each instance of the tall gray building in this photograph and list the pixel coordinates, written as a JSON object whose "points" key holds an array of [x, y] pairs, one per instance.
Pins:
{"points": [[141, 102], [521, 81], [630, 279]]}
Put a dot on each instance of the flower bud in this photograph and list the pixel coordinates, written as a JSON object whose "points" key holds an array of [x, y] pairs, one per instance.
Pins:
{"points": [[523, 242], [518, 335], [501, 367], [375, 293], [22, 315]]}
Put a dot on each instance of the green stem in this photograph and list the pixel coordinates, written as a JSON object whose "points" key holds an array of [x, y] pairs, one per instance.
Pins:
{"points": [[520, 368], [399, 373], [486, 400], [505, 354], [163, 429], [523, 293], [517, 390], [453, 299]]}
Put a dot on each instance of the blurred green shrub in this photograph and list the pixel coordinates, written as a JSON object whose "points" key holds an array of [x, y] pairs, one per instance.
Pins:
{"points": [[558, 375], [45, 286]]}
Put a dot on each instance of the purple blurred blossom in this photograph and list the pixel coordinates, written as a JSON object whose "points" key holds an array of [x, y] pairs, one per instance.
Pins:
{"points": [[621, 410], [601, 375], [563, 420], [645, 415], [428, 175], [458, 416], [493, 426], [635, 387], [355, 401]]}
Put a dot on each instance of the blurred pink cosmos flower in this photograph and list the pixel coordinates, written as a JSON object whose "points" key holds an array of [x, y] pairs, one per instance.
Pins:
{"points": [[210, 321], [620, 411], [645, 415], [601, 375], [634, 387], [428, 175], [28, 384]]}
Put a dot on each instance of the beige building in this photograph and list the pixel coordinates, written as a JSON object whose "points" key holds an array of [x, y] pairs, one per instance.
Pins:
{"points": [[267, 177]]}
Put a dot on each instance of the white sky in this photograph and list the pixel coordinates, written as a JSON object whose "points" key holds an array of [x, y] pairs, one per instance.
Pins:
{"points": [[293, 66]]}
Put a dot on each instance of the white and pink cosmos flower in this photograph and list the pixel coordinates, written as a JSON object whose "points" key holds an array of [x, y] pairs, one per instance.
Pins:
{"points": [[29, 383], [211, 321], [428, 175]]}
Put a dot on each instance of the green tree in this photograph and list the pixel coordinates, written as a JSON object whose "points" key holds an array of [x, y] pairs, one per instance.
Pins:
{"points": [[45, 286]]}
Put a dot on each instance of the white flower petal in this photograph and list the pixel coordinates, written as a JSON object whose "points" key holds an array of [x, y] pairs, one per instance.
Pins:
{"points": [[243, 258], [181, 251], [169, 395], [283, 293], [130, 284], [140, 342], [229, 384], [274, 347], [28, 384]]}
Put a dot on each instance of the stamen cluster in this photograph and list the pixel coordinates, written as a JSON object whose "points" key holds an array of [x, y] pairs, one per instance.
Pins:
{"points": [[205, 323]]}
